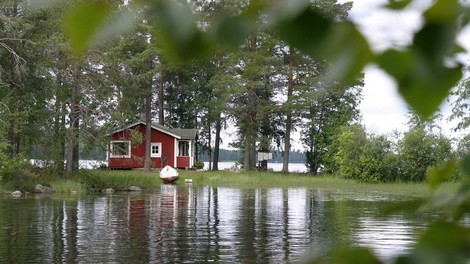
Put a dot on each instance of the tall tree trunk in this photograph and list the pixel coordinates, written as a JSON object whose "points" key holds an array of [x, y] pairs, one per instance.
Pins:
{"points": [[161, 116], [11, 139], [290, 88], [72, 137], [250, 133], [148, 133], [218, 128], [63, 136], [249, 155], [13, 136], [209, 146], [60, 123], [251, 128], [58, 140], [14, 123], [76, 147]]}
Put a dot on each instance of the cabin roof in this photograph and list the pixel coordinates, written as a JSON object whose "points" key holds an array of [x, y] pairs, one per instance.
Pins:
{"points": [[178, 133], [186, 133]]}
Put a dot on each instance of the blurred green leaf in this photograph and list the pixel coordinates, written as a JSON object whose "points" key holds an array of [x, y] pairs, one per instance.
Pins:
{"points": [[461, 202], [347, 50], [433, 42], [405, 206], [83, 21], [287, 9], [179, 36], [115, 25], [444, 12], [420, 71], [175, 18], [231, 31], [254, 8], [456, 203], [445, 236], [398, 4], [339, 43], [355, 255], [465, 164], [307, 31], [441, 243], [423, 85], [439, 174]]}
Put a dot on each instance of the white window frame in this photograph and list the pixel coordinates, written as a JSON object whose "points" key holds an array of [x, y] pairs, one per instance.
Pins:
{"points": [[156, 155], [111, 154]]}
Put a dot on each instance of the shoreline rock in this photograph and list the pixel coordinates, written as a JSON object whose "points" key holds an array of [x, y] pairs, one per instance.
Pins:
{"points": [[133, 189], [16, 193], [108, 190], [42, 189]]}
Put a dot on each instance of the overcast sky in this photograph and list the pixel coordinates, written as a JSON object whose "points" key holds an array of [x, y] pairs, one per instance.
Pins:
{"points": [[382, 108]]}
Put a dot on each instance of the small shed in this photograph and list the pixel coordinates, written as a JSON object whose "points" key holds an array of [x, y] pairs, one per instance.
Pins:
{"points": [[173, 147]]}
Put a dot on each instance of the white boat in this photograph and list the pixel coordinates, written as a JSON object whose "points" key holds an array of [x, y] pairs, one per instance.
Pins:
{"points": [[168, 174]]}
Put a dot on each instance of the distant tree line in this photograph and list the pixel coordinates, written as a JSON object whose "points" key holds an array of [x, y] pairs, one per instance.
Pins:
{"points": [[399, 157], [295, 156]]}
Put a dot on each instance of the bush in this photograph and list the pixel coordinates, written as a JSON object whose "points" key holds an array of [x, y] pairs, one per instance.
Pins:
{"points": [[351, 144], [420, 150], [17, 174], [199, 164]]}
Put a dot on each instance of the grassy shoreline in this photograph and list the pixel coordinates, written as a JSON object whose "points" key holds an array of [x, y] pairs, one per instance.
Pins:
{"points": [[97, 180], [280, 180]]}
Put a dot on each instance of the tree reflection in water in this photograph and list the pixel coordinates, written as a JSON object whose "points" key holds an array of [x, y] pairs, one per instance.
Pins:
{"points": [[177, 224]]}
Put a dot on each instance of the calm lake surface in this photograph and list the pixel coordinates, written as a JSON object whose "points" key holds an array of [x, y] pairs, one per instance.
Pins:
{"points": [[186, 224]]}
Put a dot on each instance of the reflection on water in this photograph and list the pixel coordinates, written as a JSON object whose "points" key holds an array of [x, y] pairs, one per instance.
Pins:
{"points": [[182, 224], [387, 236]]}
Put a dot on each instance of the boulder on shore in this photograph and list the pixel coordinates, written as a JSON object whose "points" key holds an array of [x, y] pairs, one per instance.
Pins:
{"points": [[108, 190], [42, 189], [133, 189], [16, 193]]}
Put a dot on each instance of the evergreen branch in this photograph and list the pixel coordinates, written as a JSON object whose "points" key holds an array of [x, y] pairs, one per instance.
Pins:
{"points": [[14, 39]]}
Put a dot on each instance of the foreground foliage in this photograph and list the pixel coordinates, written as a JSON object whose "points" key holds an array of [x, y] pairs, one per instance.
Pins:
{"points": [[422, 71]]}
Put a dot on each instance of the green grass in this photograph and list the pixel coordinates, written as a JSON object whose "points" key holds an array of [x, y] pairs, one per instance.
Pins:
{"points": [[96, 180], [274, 179], [66, 186], [118, 180]]}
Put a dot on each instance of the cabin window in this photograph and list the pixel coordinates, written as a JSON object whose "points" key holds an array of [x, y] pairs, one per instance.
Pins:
{"points": [[156, 150], [120, 149], [183, 147]]}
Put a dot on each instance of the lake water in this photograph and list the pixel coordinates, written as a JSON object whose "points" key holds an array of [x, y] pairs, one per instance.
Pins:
{"points": [[293, 167], [186, 224], [94, 164]]}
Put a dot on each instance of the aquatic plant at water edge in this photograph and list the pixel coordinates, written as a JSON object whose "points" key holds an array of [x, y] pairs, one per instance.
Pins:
{"points": [[118, 180], [67, 186]]}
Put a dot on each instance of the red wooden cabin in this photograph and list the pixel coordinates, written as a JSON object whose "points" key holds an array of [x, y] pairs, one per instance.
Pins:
{"points": [[174, 147]]}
